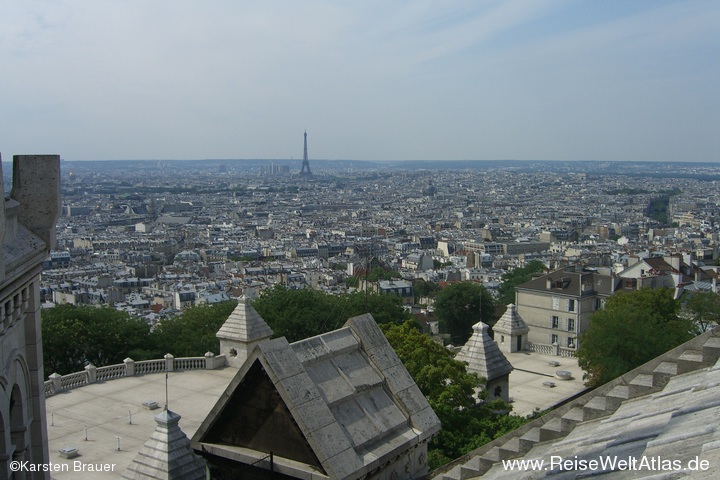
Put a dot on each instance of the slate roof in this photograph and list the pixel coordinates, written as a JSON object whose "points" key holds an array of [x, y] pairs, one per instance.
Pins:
{"points": [[667, 410], [482, 354], [572, 283], [351, 405]]}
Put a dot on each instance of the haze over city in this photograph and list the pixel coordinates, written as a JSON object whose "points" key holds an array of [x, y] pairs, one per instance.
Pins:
{"points": [[555, 80]]}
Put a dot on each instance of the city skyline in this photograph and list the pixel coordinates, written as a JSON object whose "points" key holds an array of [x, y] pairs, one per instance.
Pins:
{"points": [[540, 80]]}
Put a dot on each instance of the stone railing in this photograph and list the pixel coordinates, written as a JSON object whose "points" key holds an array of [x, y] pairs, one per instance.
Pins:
{"points": [[567, 352], [553, 349], [57, 383]]}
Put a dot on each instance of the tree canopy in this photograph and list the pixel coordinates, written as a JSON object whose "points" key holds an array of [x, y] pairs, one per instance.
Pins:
{"points": [[191, 334], [303, 313], [462, 305], [424, 288], [704, 307], [450, 390], [74, 336], [633, 328], [512, 279]]}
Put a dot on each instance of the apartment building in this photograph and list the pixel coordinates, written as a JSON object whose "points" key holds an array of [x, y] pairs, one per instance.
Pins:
{"points": [[557, 307]]}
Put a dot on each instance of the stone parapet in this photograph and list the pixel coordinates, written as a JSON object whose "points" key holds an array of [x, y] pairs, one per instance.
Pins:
{"points": [[129, 368]]}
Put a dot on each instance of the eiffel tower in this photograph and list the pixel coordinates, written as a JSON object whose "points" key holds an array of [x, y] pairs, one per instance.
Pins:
{"points": [[305, 169]]}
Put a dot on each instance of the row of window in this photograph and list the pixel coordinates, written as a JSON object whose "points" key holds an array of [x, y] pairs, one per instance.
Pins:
{"points": [[555, 322], [571, 304], [569, 341]]}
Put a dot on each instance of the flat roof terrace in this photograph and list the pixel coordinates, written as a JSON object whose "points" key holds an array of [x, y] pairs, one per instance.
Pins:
{"points": [[534, 382], [104, 411]]}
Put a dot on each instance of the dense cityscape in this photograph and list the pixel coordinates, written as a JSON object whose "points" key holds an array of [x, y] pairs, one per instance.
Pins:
{"points": [[360, 240], [558, 258], [154, 237]]}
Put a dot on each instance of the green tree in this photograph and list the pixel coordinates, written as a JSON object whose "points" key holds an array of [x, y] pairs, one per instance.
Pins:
{"points": [[450, 391], [385, 308], [704, 308], [423, 288], [633, 328], [299, 314], [380, 273], [512, 279], [192, 333], [462, 305], [74, 336]]}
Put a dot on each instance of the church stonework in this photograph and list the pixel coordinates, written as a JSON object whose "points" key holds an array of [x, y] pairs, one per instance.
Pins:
{"points": [[27, 234]]}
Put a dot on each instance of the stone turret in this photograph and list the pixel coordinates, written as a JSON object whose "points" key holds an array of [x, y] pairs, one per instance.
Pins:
{"points": [[483, 357], [511, 331], [167, 454], [241, 332]]}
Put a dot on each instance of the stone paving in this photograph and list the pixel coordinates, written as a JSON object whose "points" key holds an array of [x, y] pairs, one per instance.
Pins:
{"points": [[106, 408], [529, 387]]}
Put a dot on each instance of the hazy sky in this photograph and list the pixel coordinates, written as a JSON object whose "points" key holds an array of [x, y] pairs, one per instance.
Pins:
{"points": [[368, 80]]}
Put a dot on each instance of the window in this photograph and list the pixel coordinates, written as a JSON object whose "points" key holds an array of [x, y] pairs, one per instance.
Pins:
{"points": [[598, 304], [571, 324], [570, 342], [571, 305], [553, 339], [555, 322]]}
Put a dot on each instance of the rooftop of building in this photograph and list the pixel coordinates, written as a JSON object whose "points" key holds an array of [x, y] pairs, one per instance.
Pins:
{"points": [[569, 282], [111, 413], [102, 411]]}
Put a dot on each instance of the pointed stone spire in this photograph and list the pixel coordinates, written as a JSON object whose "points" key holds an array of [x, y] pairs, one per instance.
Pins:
{"points": [[483, 355], [167, 454], [243, 329], [511, 331], [485, 358]]}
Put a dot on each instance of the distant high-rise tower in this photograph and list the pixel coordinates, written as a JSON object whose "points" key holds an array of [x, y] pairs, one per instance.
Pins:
{"points": [[305, 169]]}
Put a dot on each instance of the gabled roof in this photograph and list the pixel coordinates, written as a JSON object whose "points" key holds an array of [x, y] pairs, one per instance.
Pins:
{"points": [[338, 405], [483, 356]]}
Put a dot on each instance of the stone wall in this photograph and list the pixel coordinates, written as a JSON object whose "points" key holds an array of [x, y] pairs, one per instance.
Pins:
{"points": [[27, 233]]}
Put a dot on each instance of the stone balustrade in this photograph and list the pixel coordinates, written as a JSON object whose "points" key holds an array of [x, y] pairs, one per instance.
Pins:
{"points": [[553, 349], [57, 383]]}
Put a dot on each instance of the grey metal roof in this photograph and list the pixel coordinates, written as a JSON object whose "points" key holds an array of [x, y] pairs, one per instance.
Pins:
{"points": [[572, 283]]}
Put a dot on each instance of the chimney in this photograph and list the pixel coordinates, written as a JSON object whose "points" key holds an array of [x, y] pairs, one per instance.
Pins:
{"points": [[673, 261]]}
